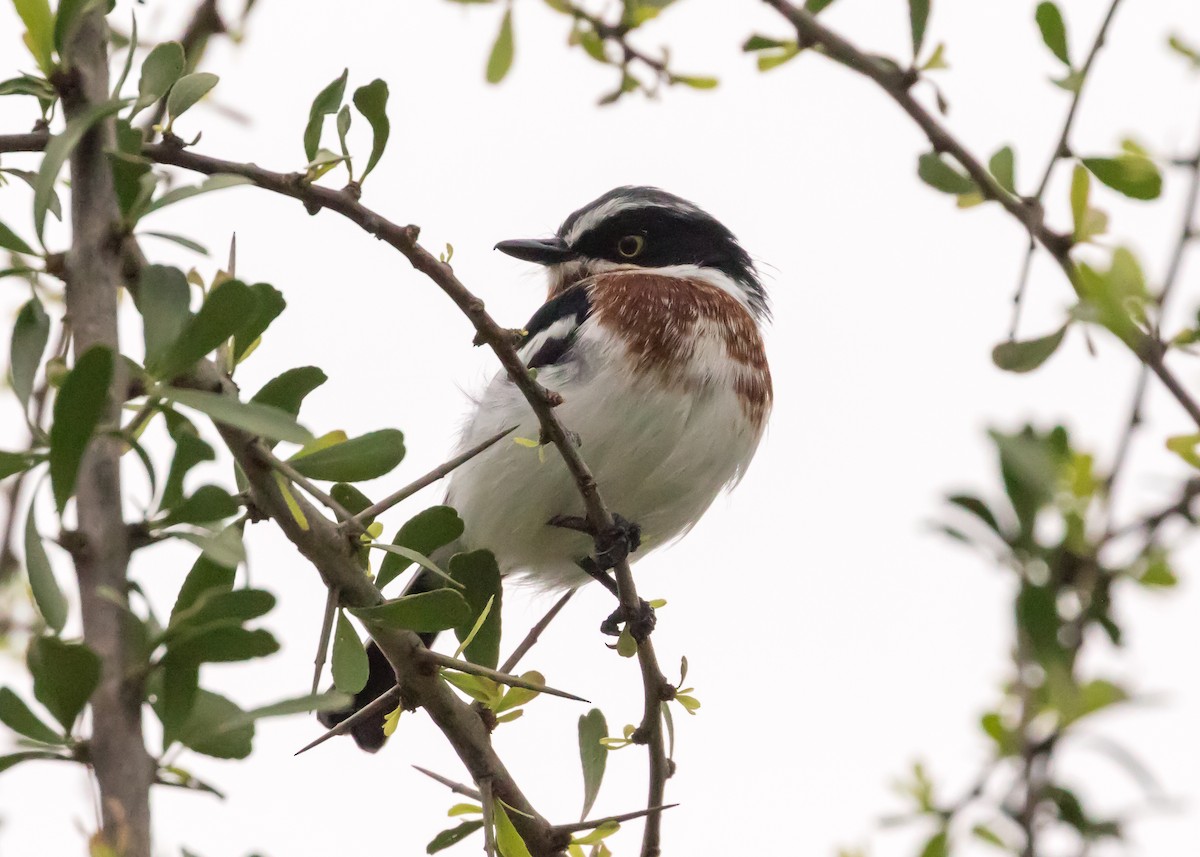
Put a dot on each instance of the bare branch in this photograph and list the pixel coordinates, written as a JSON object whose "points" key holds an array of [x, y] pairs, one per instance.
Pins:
{"points": [[355, 522], [535, 632], [457, 788], [387, 700]]}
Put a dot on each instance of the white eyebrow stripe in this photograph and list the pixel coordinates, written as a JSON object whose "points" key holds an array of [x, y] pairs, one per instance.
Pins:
{"points": [[613, 207]]}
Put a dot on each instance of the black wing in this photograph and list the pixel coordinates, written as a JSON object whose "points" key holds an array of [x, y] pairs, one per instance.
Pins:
{"points": [[551, 332]]}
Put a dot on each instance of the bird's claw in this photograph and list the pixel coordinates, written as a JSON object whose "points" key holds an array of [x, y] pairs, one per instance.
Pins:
{"points": [[640, 626], [613, 546]]}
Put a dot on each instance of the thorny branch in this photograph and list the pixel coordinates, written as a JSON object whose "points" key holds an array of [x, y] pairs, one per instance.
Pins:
{"points": [[542, 401]]}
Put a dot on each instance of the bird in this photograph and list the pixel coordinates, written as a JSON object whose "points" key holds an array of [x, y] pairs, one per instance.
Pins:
{"points": [[651, 333]]}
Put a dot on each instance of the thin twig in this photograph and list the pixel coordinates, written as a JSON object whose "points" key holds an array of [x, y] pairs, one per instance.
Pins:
{"points": [[1062, 149], [597, 822], [897, 84], [1184, 237], [457, 788], [495, 675], [535, 632], [355, 522], [331, 603], [386, 701]]}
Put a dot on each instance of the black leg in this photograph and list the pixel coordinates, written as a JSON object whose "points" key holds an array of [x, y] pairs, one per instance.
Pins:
{"points": [[612, 548]]}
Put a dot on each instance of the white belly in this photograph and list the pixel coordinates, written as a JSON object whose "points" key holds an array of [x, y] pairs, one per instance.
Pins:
{"points": [[660, 456]]}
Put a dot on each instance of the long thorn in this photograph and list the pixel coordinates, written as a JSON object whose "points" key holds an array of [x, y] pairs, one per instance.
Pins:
{"points": [[495, 675], [457, 788], [331, 601], [594, 823], [429, 478], [376, 705]]}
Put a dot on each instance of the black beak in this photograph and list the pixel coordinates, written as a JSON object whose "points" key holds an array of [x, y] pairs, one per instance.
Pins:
{"points": [[543, 251]]}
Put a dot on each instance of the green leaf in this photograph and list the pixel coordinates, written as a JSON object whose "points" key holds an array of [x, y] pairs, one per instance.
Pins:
{"points": [[1133, 175], [177, 696], [328, 101], [10, 240], [978, 508], [288, 390], [350, 665], [181, 240], [344, 117], [220, 181], [17, 716], [225, 548], [918, 17], [695, 82], [1003, 167], [161, 68], [57, 151], [1054, 31], [508, 841], [371, 101], [936, 846], [1029, 354], [352, 500], [1190, 53], [227, 310], [15, 462], [367, 457], [29, 338], [424, 533], [205, 577], [263, 420], [78, 407], [479, 574], [218, 606], [270, 304], [425, 613], [452, 836], [223, 644], [39, 31], [190, 450], [815, 6], [163, 297], [1029, 465], [1037, 616], [761, 43], [327, 701], [501, 58], [216, 727], [593, 756], [207, 504], [939, 174], [46, 593], [64, 676], [12, 759], [187, 91]]}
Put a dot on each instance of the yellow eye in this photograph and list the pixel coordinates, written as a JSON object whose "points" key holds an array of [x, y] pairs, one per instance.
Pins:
{"points": [[631, 245]]}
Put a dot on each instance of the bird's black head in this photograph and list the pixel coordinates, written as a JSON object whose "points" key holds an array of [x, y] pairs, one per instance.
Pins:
{"points": [[643, 227]]}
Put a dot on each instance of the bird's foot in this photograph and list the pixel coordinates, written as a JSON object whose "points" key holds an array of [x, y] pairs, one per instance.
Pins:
{"points": [[640, 625], [613, 546]]}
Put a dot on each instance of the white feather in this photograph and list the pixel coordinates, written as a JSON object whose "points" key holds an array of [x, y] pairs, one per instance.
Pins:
{"points": [[660, 455]]}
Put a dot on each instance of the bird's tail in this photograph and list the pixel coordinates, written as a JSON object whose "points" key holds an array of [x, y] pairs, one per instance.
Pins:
{"points": [[368, 733]]}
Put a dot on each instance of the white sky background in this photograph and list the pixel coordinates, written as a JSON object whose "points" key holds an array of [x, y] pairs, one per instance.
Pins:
{"points": [[833, 639]]}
